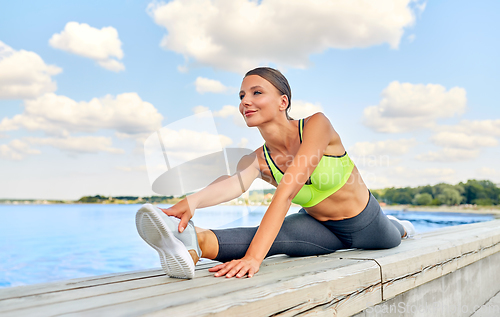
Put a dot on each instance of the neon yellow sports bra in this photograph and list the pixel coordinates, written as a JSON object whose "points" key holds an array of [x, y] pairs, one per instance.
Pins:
{"points": [[331, 173]]}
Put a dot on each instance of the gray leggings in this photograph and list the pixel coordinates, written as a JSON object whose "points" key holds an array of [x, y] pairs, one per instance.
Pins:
{"points": [[302, 235]]}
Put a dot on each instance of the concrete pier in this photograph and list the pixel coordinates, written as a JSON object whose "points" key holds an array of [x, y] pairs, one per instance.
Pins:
{"points": [[454, 271]]}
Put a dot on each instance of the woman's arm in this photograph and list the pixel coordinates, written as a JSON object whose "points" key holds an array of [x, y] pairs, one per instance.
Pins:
{"points": [[317, 134], [226, 187], [221, 190]]}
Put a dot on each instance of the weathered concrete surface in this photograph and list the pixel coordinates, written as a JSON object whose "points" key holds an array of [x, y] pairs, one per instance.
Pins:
{"points": [[284, 286], [460, 293], [490, 308], [449, 266]]}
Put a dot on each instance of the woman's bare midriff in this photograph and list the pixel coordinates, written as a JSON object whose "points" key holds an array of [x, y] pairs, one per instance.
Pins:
{"points": [[347, 202]]}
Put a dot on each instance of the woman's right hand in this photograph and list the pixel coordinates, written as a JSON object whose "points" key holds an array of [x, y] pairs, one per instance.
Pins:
{"points": [[182, 211]]}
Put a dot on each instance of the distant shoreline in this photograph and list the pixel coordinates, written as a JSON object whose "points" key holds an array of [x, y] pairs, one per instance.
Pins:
{"points": [[494, 210]]}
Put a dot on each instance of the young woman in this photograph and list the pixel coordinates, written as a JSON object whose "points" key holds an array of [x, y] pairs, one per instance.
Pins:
{"points": [[308, 164]]}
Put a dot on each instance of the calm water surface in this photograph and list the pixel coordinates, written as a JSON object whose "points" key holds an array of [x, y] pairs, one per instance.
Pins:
{"points": [[44, 243]]}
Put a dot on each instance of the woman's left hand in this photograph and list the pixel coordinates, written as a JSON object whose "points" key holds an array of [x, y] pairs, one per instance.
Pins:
{"points": [[239, 268]]}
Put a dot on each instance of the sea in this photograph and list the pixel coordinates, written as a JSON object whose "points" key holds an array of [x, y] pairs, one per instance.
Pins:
{"points": [[46, 243]]}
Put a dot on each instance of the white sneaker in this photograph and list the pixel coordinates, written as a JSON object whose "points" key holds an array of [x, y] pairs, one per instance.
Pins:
{"points": [[408, 226], [159, 231]]}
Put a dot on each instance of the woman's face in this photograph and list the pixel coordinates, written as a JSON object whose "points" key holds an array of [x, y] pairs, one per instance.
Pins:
{"points": [[260, 100]]}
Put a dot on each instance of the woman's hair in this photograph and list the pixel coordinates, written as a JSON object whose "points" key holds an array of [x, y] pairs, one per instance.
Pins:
{"points": [[276, 78]]}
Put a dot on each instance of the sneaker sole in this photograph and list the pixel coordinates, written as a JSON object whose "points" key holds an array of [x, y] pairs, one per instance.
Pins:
{"points": [[174, 257]]}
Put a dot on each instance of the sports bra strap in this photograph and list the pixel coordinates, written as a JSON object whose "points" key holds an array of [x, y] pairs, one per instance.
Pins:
{"points": [[301, 128], [270, 163]]}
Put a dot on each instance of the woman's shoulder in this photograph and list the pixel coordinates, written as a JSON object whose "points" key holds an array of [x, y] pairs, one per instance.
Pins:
{"points": [[317, 116], [319, 124], [252, 158], [317, 120], [257, 160]]}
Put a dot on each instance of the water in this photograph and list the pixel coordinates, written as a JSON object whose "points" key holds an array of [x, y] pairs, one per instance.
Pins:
{"points": [[425, 221], [44, 243]]}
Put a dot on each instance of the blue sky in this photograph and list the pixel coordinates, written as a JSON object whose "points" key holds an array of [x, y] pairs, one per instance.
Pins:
{"points": [[409, 85]]}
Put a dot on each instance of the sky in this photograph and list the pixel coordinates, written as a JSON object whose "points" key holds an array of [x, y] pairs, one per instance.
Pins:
{"points": [[408, 85]]}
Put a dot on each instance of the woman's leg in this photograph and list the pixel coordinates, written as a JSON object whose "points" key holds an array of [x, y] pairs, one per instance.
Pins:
{"points": [[381, 233], [398, 226], [208, 243], [300, 235], [371, 229]]}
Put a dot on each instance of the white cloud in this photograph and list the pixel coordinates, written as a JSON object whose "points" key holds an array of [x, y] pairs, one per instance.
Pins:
{"points": [[102, 45], [59, 115], [482, 127], [238, 35], [184, 145], [16, 150], [372, 156], [198, 141], [112, 65], [301, 109], [227, 111], [435, 172], [399, 176], [203, 112], [405, 107], [448, 155], [83, 144], [231, 111], [204, 85], [372, 163], [388, 147], [462, 140], [141, 168], [421, 7], [24, 74], [182, 69], [489, 173], [243, 143], [200, 109]]}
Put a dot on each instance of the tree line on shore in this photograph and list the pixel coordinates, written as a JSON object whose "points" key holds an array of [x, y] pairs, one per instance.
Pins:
{"points": [[473, 192], [127, 199]]}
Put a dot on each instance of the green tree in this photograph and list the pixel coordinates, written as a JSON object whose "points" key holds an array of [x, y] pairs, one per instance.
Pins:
{"points": [[483, 201], [376, 194], [399, 195], [435, 202], [402, 197], [481, 192], [92, 199], [426, 189], [473, 190], [450, 196], [422, 199]]}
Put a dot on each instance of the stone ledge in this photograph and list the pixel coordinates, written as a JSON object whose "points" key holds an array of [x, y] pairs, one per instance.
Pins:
{"points": [[341, 284]]}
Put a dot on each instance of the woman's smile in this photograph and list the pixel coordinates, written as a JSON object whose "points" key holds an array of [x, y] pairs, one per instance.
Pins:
{"points": [[249, 112]]}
